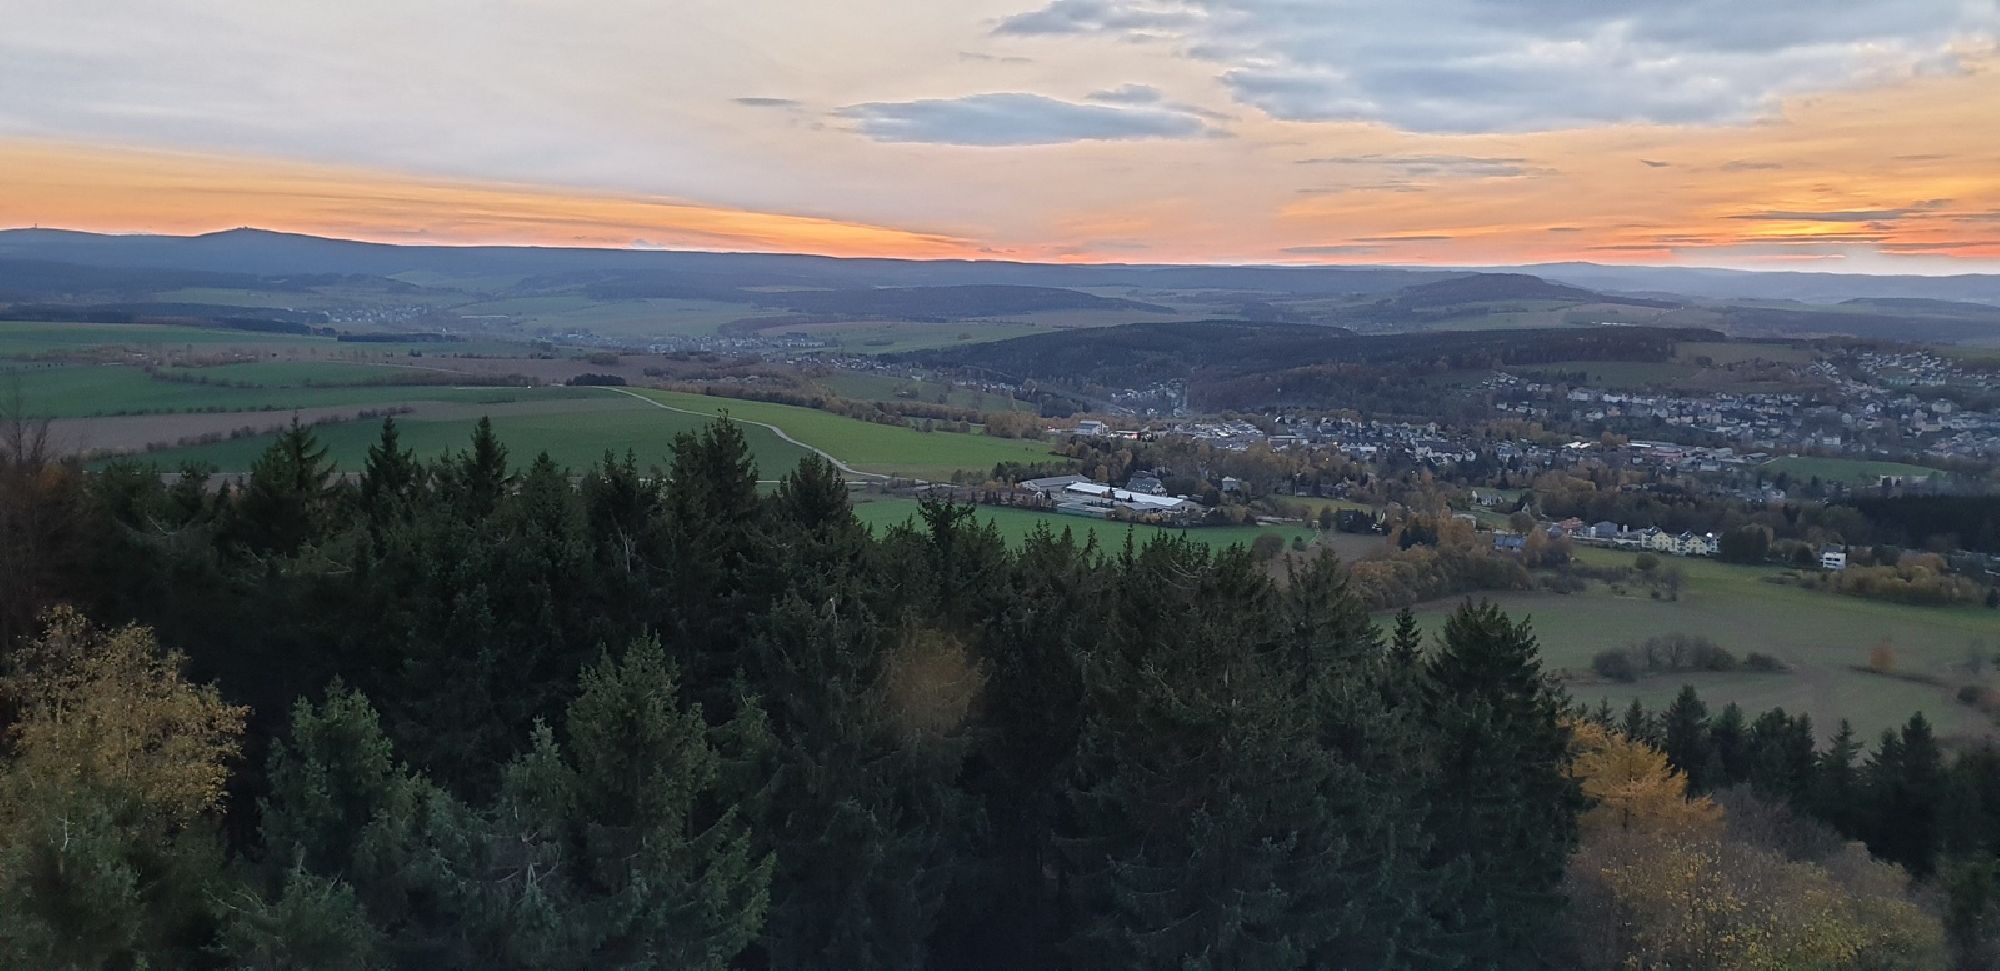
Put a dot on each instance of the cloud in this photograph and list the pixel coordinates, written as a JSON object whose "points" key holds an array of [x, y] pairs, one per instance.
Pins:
{"points": [[1097, 16], [1649, 163], [1412, 238], [1454, 66], [766, 102], [978, 57], [1563, 229], [1447, 166], [990, 120], [1331, 249], [1831, 216], [1129, 94], [1739, 165]]}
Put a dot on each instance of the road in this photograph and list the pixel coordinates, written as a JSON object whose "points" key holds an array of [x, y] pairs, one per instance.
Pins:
{"points": [[775, 430]]}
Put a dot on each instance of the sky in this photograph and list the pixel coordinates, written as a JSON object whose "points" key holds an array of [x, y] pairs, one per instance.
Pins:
{"points": [[1856, 135]]}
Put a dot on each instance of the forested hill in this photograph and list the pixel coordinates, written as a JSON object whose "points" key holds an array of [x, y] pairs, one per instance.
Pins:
{"points": [[1236, 364], [1485, 287]]}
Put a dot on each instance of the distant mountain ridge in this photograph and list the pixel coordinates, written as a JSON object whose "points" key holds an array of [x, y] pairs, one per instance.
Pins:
{"points": [[264, 252]]}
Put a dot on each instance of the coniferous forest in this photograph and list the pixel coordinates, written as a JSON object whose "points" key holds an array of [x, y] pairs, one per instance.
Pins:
{"points": [[486, 712]]}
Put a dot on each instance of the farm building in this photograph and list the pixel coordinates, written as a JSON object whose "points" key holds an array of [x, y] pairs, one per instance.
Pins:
{"points": [[1086, 498]]}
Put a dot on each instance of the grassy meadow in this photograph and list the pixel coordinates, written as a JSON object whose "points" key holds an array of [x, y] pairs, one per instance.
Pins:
{"points": [[1862, 471], [885, 449], [576, 432], [1016, 524], [83, 391], [1821, 636]]}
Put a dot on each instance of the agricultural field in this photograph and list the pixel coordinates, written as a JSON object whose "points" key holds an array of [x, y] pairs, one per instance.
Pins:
{"points": [[861, 386], [887, 337], [884, 449], [1821, 636], [1016, 524], [575, 431], [1860, 471], [637, 320], [1622, 374], [81, 391], [29, 338], [1738, 352]]}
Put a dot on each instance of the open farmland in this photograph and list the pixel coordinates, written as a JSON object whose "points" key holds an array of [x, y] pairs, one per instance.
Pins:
{"points": [[81, 391], [576, 432], [27, 338], [1016, 524], [1861, 471], [1821, 636], [863, 386], [884, 449]]}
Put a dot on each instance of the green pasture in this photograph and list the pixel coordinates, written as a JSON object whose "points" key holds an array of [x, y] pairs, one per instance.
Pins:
{"points": [[1016, 524], [886, 449], [83, 391], [1862, 471], [574, 433], [21, 338], [1822, 636], [862, 386]]}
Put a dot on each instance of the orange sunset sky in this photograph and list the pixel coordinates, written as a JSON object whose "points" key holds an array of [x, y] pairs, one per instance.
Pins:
{"points": [[1859, 136]]}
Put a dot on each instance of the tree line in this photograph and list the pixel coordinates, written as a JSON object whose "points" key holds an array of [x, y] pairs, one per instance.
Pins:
{"points": [[478, 713]]}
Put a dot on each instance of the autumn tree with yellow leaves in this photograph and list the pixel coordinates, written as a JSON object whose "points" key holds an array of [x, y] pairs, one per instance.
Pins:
{"points": [[109, 778], [1659, 881]]}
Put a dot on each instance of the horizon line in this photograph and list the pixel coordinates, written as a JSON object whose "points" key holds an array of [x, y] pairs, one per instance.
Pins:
{"points": [[598, 247]]}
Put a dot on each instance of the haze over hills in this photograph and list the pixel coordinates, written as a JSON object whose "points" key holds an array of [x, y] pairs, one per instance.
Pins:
{"points": [[256, 273], [263, 252]]}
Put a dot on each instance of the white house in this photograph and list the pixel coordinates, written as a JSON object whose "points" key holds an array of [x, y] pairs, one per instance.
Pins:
{"points": [[1832, 560]]}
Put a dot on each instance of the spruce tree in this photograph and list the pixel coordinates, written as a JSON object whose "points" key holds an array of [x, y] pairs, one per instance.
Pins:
{"points": [[1781, 760], [1684, 738], [290, 496], [1503, 810], [1729, 748], [627, 858], [1905, 790], [390, 477], [863, 818], [1406, 644], [1638, 725], [1243, 797], [710, 541], [1836, 791], [476, 478]]}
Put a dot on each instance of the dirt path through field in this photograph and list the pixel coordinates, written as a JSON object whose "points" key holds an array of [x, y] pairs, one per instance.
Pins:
{"points": [[775, 430]]}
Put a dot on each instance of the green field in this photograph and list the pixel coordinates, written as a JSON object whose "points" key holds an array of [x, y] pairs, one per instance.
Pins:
{"points": [[1860, 471], [881, 387], [1622, 374], [22, 338], [576, 433], [1737, 352], [637, 320], [81, 391], [880, 337], [886, 449], [1016, 524], [292, 374], [1820, 635]]}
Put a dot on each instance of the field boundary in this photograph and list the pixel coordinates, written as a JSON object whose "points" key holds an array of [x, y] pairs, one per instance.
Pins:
{"points": [[775, 430]]}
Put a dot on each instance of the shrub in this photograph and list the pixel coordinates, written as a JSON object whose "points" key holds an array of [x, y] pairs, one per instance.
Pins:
{"points": [[1616, 665], [1763, 663]]}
